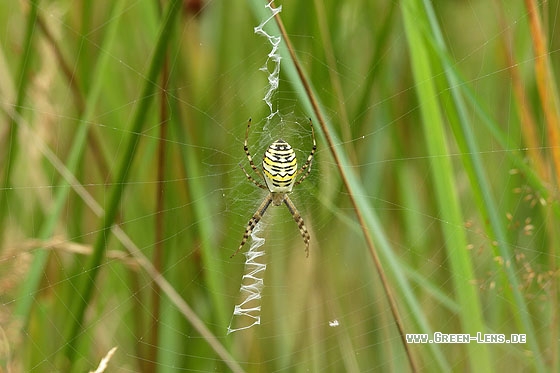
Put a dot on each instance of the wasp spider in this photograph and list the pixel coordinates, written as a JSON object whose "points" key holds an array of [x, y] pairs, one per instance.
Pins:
{"points": [[279, 172]]}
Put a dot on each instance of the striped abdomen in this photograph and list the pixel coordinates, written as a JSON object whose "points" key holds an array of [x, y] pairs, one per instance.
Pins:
{"points": [[280, 167]]}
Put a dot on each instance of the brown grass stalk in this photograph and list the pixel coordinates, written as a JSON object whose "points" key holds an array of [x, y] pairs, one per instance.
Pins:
{"points": [[377, 262]]}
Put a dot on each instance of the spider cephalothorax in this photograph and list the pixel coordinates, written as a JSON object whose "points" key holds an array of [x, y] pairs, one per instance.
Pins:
{"points": [[280, 174]]}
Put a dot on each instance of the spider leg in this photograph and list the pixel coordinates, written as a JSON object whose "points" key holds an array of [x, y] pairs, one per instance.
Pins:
{"points": [[256, 182], [299, 220], [253, 222], [246, 148], [307, 166]]}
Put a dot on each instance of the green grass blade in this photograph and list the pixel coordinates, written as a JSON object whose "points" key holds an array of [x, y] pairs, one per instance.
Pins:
{"points": [[86, 280], [21, 85], [513, 153], [446, 195], [489, 209], [214, 267], [31, 283]]}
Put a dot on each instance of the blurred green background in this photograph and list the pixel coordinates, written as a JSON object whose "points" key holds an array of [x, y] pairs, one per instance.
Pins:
{"points": [[437, 165]]}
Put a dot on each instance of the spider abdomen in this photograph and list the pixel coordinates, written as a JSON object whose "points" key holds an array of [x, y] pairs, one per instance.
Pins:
{"points": [[280, 167]]}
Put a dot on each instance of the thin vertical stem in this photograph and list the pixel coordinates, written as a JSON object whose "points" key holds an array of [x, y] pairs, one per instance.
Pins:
{"points": [[160, 218]]}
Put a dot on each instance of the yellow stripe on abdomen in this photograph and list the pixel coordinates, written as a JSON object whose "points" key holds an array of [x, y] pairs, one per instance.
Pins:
{"points": [[280, 167]]}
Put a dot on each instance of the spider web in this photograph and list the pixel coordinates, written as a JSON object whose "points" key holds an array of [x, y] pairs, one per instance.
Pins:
{"points": [[252, 281], [327, 312]]}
